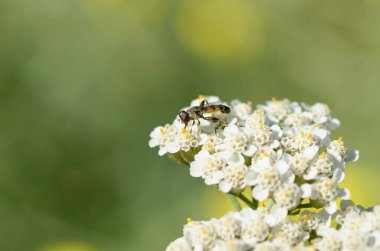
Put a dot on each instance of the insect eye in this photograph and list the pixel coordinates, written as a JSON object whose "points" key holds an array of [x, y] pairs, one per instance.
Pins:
{"points": [[184, 116]]}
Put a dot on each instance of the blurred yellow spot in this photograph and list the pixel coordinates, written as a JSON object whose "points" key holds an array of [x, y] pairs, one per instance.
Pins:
{"points": [[323, 155], [68, 246], [308, 136], [340, 139], [162, 130], [302, 134], [274, 100], [262, 203], [189, 220], [362, 181], [261, 125], [221, 31], [261, 112]]}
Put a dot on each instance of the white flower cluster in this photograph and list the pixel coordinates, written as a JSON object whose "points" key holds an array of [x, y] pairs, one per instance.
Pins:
{"points": [[281, 150], [359, 229], [249, 229]]}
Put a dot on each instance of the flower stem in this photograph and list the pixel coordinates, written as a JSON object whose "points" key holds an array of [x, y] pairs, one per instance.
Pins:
{"points": [[306, 205], [251, 204], [234, 202]]}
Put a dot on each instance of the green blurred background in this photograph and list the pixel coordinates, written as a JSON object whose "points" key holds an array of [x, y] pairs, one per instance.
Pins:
{"points": [[83, 82]]}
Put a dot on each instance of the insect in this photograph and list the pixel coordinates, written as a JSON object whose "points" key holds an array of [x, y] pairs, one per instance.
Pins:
{"points": [[196, 112]]}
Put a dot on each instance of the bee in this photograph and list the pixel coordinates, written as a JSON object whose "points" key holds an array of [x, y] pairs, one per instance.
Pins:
{"points": [[196, 112]]}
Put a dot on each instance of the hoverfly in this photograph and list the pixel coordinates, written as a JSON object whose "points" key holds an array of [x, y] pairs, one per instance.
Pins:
{"points": [[196, 112]]}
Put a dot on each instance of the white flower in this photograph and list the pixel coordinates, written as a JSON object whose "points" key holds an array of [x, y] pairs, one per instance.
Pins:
{"points": [[325, 165], [166, 138], [228, 227], [321, 114], [200, 235], [288, 195], [266, 177], [241, 110], [276, 216], [212, 143], [296, 119], [233, 180], [209, 167], [254, 119], [209, 99], [291, 232], [179, 244], [326, 190], [300, 162], [330, 240], [313, 221], [276, 110], [230, 245], [262, 135], [188, 140], [254, 227], [236, 145]]}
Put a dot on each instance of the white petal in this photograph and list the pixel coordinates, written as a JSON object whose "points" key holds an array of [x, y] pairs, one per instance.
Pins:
{"points": [[352, 156], [305, 190], [374, 239], [196, 169], [203, 154], [276, 215], [215, 178], [274, 144], [225, 154], [232, 129], [156, 132], [306, 106], [162, 151], [287, 177], [331, 207], [344, 193], [333, 123], [225, 187], [277, 132], [260, 194], [251, 178], [262, 164], [250, 150], [320, 133], [172, 147], [311, 173], [338, 175], [153, 142], [282, 166], [202, 139], [310, 152], [236, 159], [232, 122]]}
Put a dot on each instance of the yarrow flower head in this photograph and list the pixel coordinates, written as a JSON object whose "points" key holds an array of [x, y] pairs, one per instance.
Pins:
{"points": [[282, 153], [249, 229], [281, 150]]}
